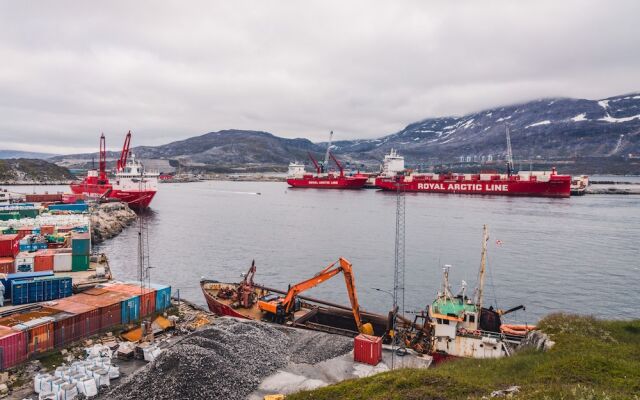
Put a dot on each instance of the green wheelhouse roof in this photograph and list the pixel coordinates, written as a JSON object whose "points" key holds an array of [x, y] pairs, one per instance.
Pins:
{"points": [[456, 306]]}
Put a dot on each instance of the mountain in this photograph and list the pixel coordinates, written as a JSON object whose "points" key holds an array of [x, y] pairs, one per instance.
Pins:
{"points": [[591, 134], [25, 170], [6, 154]]}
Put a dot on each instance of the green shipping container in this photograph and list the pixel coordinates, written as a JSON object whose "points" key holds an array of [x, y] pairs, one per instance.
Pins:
{"points": [[8, 215], [29, 213], [81, 244], [79, 263]]}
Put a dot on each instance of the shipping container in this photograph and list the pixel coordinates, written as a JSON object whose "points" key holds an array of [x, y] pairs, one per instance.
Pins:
{"points": [[79, 263], [24, 262], [13, 348], [39, 335], [108, 304], [7, 265], [163, 296], [73, 207], [85, 321], [147, 296], [81, 244], [39, 198], [43, 260], [9, 245], [367, 349], [9, 215], [47, 229], [62, 262], [6, 280], [40, 289]]}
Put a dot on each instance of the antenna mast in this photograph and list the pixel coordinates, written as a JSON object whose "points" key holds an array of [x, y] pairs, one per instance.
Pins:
{"points": [[398, 270], [483, 266], [509, 152]]}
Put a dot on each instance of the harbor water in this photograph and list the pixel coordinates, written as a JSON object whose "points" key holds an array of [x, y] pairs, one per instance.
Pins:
{"points": [[579, 254]]}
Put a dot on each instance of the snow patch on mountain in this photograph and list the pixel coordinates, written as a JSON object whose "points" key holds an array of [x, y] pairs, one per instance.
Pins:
{"points": [[546, 122], [580, 117], [609, 118]]}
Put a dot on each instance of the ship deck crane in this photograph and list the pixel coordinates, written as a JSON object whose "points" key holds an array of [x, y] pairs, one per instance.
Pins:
{"points": [[283, 307], [246, 290], [102, 176], [315, 163], [122, 162], [338, 164], [509, 152], [326, 155]]}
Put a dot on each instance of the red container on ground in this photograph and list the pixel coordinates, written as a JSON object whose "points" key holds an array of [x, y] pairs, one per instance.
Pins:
{"points": [[47, 229], [147, 296], [9, 245], [108, 304], [37, 326], [39, 198], [43, 260], [24, 231], [7, 265], [85, 321], [13, 348], [367, 349]]}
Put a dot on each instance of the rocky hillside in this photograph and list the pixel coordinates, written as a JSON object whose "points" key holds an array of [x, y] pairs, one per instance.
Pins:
{"points": [[26, 170], [604, 132], [547, 129], [4, 154]]}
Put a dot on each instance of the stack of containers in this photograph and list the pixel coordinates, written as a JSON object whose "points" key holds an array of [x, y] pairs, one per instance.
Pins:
{"points": [[40, 289], [9, 278], [163, 296], [73, 207], [14, 348], [24, 262], [38, 330], [84, 321], [80, 249], [109, 305], [146, 297], [9, 249]]}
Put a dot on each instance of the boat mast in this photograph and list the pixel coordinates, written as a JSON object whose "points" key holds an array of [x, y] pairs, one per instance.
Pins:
{"points": [[509, 152], [326, 155], [483, 266]]}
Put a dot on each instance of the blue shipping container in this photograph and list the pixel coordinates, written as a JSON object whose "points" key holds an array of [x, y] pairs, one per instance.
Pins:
{"points": [[40, 289], [20, 276], [76, 207], [163, 296], [130, 310]]}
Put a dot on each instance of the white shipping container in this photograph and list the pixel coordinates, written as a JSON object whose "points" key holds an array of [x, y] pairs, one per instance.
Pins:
{"points": [[62, 262]]}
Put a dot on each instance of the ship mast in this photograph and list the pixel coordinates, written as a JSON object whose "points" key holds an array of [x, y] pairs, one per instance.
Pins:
{"points": [[483, 266], [509, 152], [326, 155]]}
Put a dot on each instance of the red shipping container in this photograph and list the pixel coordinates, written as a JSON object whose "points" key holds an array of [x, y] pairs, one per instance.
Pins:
{"points": [[85, 321], [43, 260], [9, 245], [47, 229], [109, 305], [7, 266], [24, 231], [13, 348], [367, 349], [147, 296], [37, 328]]}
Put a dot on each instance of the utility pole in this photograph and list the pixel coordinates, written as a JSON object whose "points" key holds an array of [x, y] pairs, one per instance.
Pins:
{"points": [[398, 270]]}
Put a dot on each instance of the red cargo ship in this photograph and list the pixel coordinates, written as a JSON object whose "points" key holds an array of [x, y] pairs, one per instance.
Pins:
{"points": [[299, 178], [536, 183], [133, 184], [543, 184]]}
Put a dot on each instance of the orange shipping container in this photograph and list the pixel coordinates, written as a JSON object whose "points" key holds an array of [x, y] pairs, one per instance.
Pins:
{"points": [[43, 260], [107, 303], [7, 265], [84, 323], [147, 296], [47, 229]]}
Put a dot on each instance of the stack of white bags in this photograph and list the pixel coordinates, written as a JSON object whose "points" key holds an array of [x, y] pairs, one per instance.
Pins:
{"points": [[81, 377]]}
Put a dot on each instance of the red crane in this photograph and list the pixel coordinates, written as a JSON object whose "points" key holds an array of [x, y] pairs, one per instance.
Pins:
{"points": [[315, 163], [102, 176], [338, 164], [122, 162]]}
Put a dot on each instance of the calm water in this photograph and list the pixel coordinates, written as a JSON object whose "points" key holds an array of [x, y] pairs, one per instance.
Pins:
{"points": [[578, 255]]}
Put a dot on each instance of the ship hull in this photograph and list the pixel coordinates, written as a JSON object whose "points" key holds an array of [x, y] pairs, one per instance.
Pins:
{"points": [[328, 182], [557, 186], [134, 198]]}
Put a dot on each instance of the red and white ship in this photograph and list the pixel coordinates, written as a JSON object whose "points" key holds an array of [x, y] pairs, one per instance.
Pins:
{"points": [[297, 177], [132, 185], [534, 183]]}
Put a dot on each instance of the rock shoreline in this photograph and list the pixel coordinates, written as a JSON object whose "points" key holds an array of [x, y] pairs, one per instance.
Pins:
{"points": [[109, 219]]}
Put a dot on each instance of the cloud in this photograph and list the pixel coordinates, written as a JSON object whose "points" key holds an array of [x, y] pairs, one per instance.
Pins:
{"points": [[169, 70]]}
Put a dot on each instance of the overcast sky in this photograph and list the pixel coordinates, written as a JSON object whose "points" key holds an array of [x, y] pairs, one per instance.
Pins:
{"points": [[170, 70]]}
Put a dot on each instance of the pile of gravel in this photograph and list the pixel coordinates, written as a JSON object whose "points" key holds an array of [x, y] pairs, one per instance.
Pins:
{"points": [[227, 361]]}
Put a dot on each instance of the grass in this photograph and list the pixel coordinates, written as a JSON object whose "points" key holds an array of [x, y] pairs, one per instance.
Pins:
{"points": [[592, 360]]}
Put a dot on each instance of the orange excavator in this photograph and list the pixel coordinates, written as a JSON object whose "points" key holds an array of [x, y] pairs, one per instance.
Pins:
{"points": [[281, 308]]}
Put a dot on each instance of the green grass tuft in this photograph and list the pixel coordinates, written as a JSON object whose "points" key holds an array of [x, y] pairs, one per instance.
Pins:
{"points": [[592, 360]]}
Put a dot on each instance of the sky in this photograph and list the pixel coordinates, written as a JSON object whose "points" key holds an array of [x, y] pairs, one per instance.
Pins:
{"points": [[169, 70]]}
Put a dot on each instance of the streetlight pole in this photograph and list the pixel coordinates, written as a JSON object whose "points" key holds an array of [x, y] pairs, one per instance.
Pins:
{"points": [[393, 327]]}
